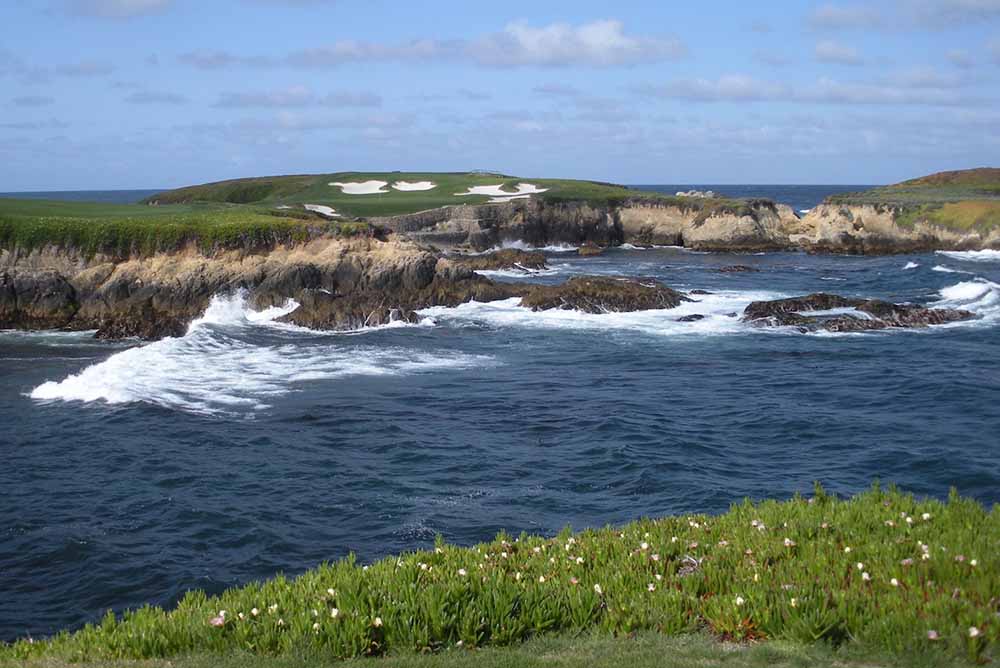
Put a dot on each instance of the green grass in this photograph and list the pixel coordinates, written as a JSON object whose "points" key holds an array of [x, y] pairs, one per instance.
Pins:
{"points": [[639, 650], [315, 189], [124, 229], [875, 574]]}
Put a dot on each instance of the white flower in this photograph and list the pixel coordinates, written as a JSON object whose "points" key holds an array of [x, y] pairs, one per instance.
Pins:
{"points": [[541, 578], [315, 612], [974, 563], [909, 520], [316, 626], [756, 577], [933, 635], [847, 550], [925, 556], [861, 566], [890, 523], [536, 550], [438, 550], [579, 560], [644, 546], [331, 592], [241, 616], [503, 554], [795, 602], [925, 517], [673, 539], [281, 622], [656, 557], [740, 600], [658, 577], [254, 611], [894, 582], [651, 587], [574, 581], [517, 576], [273, 607], [423, 567], [789, 542], [334, 613], [222, 613], [598, 590], [973, 632], [866, 577], [377, 622]]}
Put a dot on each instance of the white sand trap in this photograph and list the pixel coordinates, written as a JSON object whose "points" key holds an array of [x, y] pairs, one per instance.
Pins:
{"points": [[363, 188], [523, 190], [508, 198], [321, 210], [407, 186]]}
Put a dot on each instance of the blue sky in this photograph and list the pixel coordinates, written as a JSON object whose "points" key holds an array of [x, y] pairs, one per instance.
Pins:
{"points": [[162, 93]]}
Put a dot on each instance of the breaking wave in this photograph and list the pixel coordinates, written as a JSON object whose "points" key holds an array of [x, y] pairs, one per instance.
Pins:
{"points": [[973, 256], [233, 359]]}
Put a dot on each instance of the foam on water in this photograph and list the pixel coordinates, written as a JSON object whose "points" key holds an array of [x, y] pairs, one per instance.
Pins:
{"points": [[911, 265], [980, 296], [973, 256], [721, 310], [517, 273], [948, 270], [217, 367]]}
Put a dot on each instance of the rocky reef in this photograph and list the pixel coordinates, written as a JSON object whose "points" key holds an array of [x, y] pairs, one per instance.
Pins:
{"points": [[834, 313]]}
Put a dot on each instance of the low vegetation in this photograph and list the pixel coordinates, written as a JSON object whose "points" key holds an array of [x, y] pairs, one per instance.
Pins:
{"points": [[881, 574], [123, 229]]}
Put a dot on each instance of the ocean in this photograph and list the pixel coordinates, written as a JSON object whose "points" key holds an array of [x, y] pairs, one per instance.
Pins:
{"points": [[136, 471]]}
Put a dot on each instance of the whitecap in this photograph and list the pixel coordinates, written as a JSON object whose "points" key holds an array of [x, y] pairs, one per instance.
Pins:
{"points": [[980, 296], [911, 265], [234, 361], [948, 270], [973, 256], [721, 311]]}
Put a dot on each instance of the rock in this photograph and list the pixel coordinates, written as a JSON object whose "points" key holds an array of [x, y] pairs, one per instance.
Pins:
{"points": [[36, 300], [834, 313], [700, 292], [507, 258], [592, 294], [590, 250], [694, 317], [738, 268]]}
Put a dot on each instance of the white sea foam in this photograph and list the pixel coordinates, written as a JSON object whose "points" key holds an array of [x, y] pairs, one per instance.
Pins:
{"points": [[948, 270], [221, 366], [980, 296], [973, 256], [804, 210], [721, 311], [517, 272], [911, 265], [520, 245]]}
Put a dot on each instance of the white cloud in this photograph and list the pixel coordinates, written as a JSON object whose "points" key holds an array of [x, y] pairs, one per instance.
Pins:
{"points": [[297, 97], [597, 44], [741, 88], [829, 51], [840, 17], [117, 9], [601, 43]]}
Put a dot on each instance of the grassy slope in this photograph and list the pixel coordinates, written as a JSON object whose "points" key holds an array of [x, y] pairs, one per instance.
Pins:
{"points": [[642, 650], [290, 190], [121, 229], [966, 200], [795, 571]]}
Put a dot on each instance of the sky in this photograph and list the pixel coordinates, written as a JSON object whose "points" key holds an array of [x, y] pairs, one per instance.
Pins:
{"points": [[107, 94]]}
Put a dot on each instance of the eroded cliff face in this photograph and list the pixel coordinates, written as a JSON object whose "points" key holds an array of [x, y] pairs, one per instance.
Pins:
{"points": [[368, 282], [753, 226], [874, 230]]}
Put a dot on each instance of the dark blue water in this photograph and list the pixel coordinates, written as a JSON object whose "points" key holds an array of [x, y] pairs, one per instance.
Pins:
{"points": [[132, 473]]}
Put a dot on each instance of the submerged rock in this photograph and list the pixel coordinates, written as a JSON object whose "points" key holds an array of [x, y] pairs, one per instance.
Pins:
{"points": [[694, 317], [590, 250], [592, 294], [834, 313], [738, 269]]}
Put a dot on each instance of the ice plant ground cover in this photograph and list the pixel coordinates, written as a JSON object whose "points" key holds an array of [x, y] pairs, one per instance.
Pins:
{"points": [[882, 572]]}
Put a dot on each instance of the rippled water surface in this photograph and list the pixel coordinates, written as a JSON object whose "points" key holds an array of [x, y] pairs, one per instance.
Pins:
{"points": [[132, 473]]}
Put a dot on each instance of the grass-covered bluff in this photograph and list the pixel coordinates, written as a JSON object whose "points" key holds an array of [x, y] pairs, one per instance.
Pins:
{"points": [[965, 200], [882, 572]]}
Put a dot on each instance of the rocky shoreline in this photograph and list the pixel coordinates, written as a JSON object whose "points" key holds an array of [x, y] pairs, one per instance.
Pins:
{"points": [[344, 284], [755, 225]]}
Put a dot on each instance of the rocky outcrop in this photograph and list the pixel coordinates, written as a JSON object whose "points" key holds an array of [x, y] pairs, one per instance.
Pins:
{"points": [[592, 294], [506, 258], [834, 313], [876, 230]]}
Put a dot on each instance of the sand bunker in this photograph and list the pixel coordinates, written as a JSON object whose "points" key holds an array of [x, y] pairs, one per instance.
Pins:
{"points": [[363, 188], [407, 186], [523, 190], [321, 210]]}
